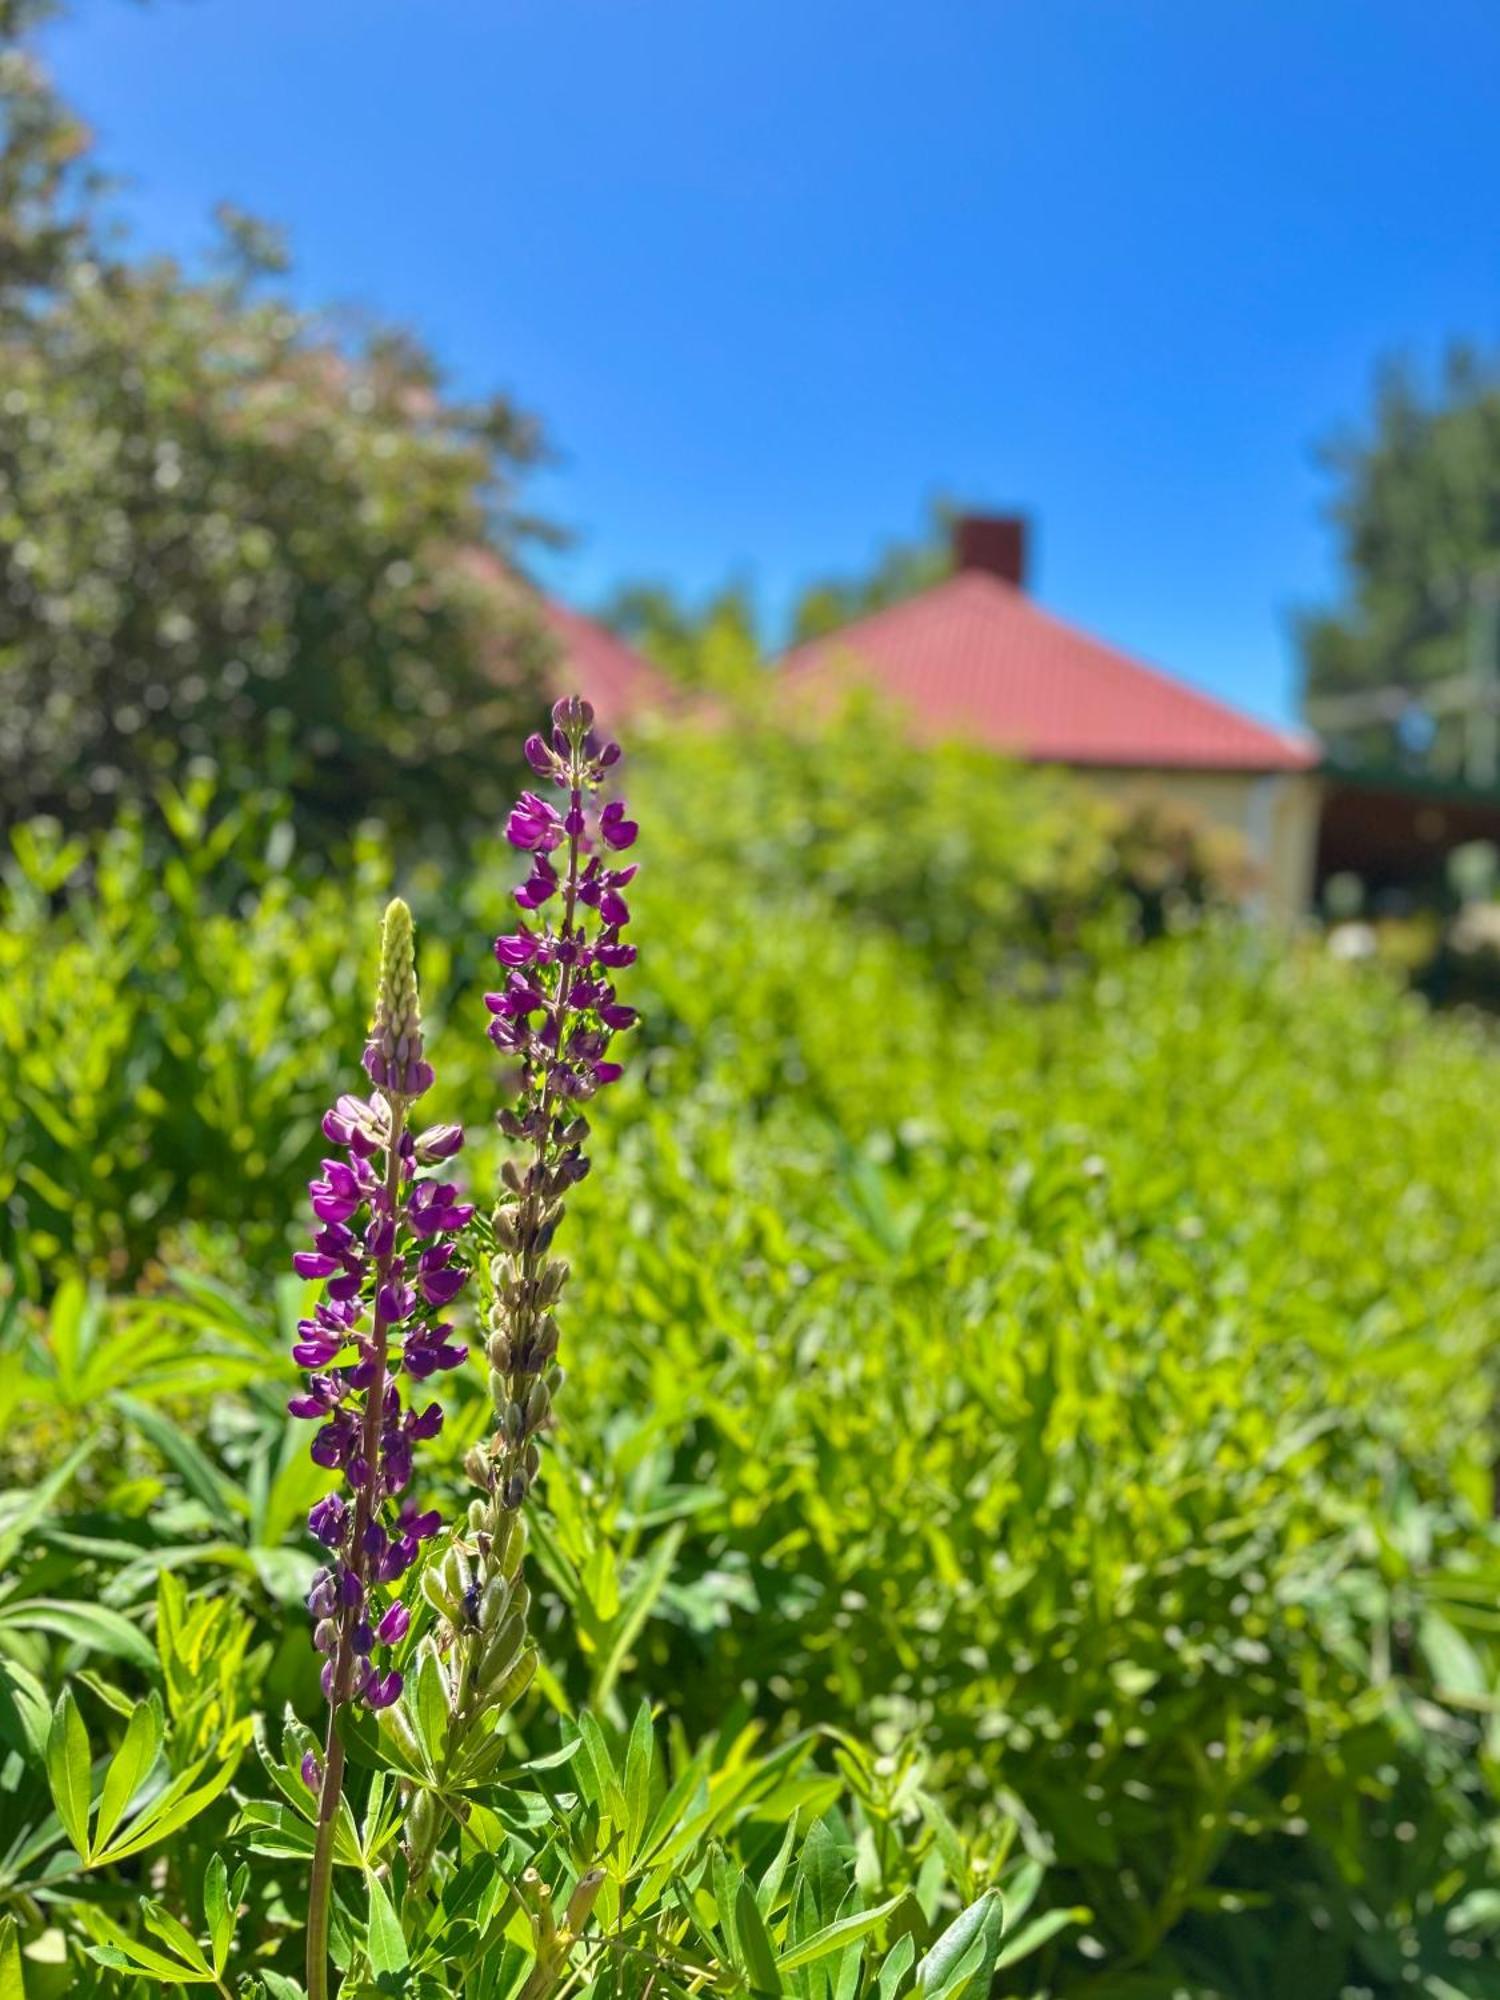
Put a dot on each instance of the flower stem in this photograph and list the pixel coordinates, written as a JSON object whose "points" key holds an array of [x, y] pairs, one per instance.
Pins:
{"points": [[320, 1879]]}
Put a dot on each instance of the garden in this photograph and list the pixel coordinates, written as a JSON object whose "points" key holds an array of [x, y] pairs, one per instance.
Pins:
{"points": [[747, 1362], [1017, 1516]]}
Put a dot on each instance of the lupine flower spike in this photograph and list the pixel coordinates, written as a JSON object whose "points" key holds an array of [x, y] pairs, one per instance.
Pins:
{"points": [[385, 1252], [556, 1016]]}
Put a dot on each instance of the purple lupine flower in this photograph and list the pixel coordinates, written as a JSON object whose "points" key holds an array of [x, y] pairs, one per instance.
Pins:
{"points": [[556, 1014], [386, 1254]]}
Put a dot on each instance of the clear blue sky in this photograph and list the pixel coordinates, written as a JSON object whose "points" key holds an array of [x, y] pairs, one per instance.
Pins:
{"points": [[775, 272]]}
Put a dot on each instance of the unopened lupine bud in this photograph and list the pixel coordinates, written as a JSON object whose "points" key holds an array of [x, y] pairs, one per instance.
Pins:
{"points": [[393, 1051]]}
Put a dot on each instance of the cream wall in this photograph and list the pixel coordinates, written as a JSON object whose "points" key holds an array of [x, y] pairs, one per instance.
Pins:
{"points": [[1275, 814]]}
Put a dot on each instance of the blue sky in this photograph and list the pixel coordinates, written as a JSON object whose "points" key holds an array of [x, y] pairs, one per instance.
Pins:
{"points": [[777, 272]]}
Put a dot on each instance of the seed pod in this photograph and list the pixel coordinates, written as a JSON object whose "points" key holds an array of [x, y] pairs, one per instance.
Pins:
{"points": [[421, 1822], [457, 1575], [493, 1602], [538, 1405], [552, 1280], [478, 1515], [506, 1693], [509, 1557], [438, 1594], [399, 1724], [476, 1465], [499, 1352], [501, 1650]]}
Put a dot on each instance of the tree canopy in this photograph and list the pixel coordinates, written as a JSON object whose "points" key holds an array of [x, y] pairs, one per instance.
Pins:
{"points": [[232, 530], [720, 642], [1416, 508]]}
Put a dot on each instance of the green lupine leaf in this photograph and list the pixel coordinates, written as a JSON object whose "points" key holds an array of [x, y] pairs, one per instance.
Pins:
{"points": [[384, 1940], [129, 1768], [89, 1625], [635, 1610], [12, 1986], [971, 1942], [756, 1953], [897, 1964], [1031, 1937], [177, 1805], [220, 1903], [69, 1771], [175, 1936], [835, 1936], [20, 1512]]}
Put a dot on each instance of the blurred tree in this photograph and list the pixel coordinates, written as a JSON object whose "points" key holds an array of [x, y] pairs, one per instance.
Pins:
{"points": [[900, 571], [232, 531], [1417, 513], [715, 646], [719, 644]]}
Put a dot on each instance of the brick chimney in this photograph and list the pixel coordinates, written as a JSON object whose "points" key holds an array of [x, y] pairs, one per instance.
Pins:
{"points": [[992, 542]]}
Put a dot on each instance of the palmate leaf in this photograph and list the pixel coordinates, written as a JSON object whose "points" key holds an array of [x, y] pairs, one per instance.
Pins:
{"points": [[183, 1800], [25, 1717]]}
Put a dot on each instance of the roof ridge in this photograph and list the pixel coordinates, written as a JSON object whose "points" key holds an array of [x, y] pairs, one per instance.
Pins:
{"points": [[1030, 708]]}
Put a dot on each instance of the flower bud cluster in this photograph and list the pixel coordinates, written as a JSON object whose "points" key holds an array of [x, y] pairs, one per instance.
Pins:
{"points": [[386, 1254], [557, 1015]]}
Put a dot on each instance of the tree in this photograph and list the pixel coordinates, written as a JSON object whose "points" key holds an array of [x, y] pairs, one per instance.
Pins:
{"points": [[721, 643], [901, 570], [1417, 513], [714, 646], [233, 531]]}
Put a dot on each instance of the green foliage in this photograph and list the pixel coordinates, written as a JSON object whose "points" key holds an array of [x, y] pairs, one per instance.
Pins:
{"points": [[229, 532], [1417, 511], [901, 570], [713, 646], [1022, 1520]]}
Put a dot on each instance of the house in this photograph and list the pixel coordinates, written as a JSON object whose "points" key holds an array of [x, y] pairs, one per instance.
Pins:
{"points": [[975, 658]]}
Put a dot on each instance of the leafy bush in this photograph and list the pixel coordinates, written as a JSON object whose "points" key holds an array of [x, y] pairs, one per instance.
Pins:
{"points": [[231, 530]]}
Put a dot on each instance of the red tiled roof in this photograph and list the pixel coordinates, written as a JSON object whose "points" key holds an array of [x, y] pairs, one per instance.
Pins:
{"points": [[977, 659], [597, 664]]}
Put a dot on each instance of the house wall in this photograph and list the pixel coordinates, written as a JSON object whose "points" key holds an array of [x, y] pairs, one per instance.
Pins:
{"points": [[1275, 814]]}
